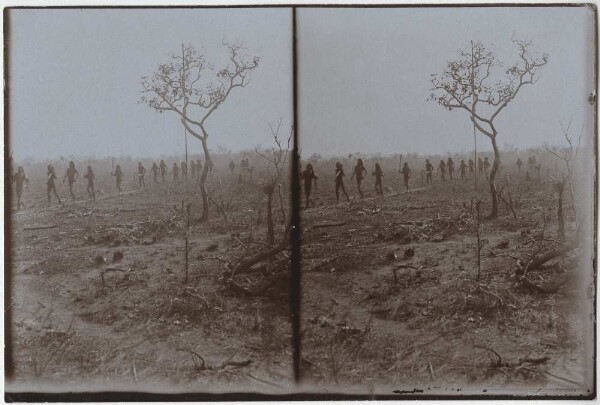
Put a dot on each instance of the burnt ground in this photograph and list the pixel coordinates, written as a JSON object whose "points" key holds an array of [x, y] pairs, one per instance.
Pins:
{"points": [[139, 326], [435, 327]]}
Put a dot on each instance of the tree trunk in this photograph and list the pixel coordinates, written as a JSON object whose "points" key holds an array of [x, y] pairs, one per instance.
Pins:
{"points": [[493, 191], [205, 202], [270, 230]]}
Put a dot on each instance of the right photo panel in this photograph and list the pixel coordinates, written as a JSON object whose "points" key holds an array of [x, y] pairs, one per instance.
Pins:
{"points": [[448, 181]]}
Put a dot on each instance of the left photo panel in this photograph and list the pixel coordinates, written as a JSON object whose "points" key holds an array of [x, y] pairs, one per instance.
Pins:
{"points": [[148, 156]]}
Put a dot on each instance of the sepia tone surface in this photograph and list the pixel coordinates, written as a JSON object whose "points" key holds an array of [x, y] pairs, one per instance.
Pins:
{"points": [[151, 213], [136, 277], [396, 295]]}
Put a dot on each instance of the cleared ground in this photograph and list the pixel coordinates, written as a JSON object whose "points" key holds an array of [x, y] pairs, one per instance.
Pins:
{"points": [[82, 315], [390, 297], [391, 300]]}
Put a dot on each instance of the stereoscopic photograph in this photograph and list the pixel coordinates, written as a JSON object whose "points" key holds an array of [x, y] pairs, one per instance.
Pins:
{"points": [[149, 155], [448, 177], [372, 201]]}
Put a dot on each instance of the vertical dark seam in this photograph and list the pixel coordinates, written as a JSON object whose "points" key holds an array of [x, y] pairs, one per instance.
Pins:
{"points": [[295, 229], [8, 360]]}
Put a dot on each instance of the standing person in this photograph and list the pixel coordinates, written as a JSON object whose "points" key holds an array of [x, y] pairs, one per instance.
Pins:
{"points": [[210, 166], [450, 166], [154, 169], [309, 177], [406, 175], [175, 172], [20, 179], [519, 164], [193, 169], [50, 183], [118, 176], [359, 172], [480, 166], [378, 173], [183, 171], [141, 174], [428, 172], [486, 166], [442, 169], [90, 176], [339, 181], [471, 168], [72, 175], [163, 170], [231, 166], [463, 169]]}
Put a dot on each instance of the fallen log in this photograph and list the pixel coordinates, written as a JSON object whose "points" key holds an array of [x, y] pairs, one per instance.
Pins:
{"points": [[539, 288], [246, 264], [260, 290], [36, 228], [328, 225], [536, 262]]}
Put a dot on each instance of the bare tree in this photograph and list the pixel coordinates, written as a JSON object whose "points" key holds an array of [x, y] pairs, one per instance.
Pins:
{"points": [[276, 158], [468, 83], [180, 85], [568, 156]]}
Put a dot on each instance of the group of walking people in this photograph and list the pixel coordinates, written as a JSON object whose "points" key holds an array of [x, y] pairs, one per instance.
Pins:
{"points": [[359, 172], [72, 175], [308, 176]]}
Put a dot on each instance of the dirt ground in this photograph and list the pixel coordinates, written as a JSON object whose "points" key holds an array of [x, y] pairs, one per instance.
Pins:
{"points": [[433, 328], [390, 298], [83, 318]]}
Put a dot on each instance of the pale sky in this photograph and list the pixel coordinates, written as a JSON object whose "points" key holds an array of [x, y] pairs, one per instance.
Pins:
{"points": [[75, 79], [365, 76]]}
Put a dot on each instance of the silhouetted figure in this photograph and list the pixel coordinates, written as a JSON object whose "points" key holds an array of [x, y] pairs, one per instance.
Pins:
{"points": [[378, 173], [428, 172], [51, 184], [91, 177], [154, 170], [463, 169], [442, 169], [118, 176], [20, 180], [163, 170], [450, 166], [406, 173], [359, 172], [309, 177], [175, 172], [471, 168], [72, 175], [486, 167], [339, 181], [141, 174], [519, 164]]}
